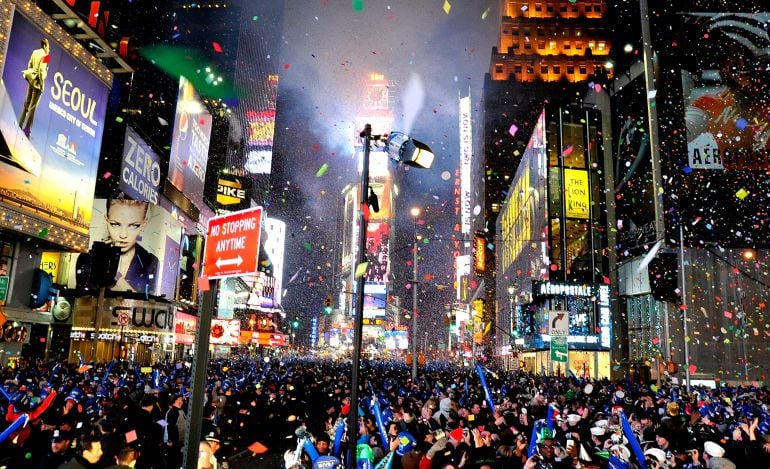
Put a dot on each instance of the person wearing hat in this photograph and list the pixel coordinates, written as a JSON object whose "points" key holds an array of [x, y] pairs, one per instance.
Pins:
{"points": [[546, 453], [713, 457], [214, 444], [59, 452], [655, 458]]}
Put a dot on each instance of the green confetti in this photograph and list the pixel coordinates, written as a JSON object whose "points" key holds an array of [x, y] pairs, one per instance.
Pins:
{"points": [[308, 247], [358, 5], [484, 15], [118, 119], [43, 233], [742, 194], [322, 170], [361, 269]]}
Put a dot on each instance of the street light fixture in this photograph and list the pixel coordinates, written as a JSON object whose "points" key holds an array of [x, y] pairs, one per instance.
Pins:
{"points": [[401, 149]]}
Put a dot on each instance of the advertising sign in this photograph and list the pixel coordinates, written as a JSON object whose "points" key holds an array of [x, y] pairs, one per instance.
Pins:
{"points": [[140, 169], [49, 154], [225, 331], [185, 328], [143, 316], [396, 340], [148, 237], [576, 193], [190, 144], [232, 244], [233, 192], [466, 159], [269, 339], [720, 187]]}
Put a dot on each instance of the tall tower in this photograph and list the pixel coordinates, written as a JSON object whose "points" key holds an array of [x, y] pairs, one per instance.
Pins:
{"points": [[547, 52], [377, 112]]}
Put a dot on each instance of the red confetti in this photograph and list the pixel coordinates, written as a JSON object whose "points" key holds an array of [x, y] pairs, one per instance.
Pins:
{"points": [[693, 369], [217, 47], [107, 175], [567, 151], [286, 66], [655, 341]]}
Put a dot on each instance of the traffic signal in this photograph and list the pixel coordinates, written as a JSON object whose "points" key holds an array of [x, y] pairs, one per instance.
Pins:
{"points": [[328, 305], [295, 324]]}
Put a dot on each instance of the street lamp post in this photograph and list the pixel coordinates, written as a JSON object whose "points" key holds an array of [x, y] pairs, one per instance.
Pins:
{"points": [[402, 149], [415, 213]]}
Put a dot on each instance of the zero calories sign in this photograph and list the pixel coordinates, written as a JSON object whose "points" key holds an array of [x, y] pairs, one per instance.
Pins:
{"points": [[232, 244]]}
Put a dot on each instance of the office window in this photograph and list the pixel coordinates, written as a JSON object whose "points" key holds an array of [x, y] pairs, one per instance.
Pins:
{"points": [[528, 46], [549, 8], [602, 45], [552, 45], [530, 70], [562, 9], [570, 69], [583, 70], [556, 69], [498, 68], [567, 45], [517, 69], [514, 32], [598, 8], [578, 45], [544, 69], [540, 32], [515, 46], [541, 45], [592, 44], [538, 7]]}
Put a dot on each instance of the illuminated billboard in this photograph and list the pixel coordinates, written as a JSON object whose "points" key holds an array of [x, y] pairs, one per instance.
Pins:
{"points": [[275, 239], [149, 239], [466, 160], [190, 144], [185, 328], [576, 193], [225, 331], [140, 169], [717, 160], [49, 150]]}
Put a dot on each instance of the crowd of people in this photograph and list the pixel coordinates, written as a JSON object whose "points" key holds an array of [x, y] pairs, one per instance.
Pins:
{"points": [[118, 414]]}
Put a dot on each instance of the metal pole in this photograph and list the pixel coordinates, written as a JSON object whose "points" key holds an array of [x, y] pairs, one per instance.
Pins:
{"points": [[358, 320], [199, 367], [414, 305], [97, 322], [684, 308]]}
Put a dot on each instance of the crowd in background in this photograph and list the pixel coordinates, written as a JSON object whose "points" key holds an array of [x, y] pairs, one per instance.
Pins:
{"points": [[116, 414]]}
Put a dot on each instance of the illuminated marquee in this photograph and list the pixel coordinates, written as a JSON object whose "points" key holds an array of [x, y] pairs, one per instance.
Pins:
{"points": [[466, 157]]}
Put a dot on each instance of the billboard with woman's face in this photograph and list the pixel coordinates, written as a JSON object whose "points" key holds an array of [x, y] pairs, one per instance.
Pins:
{"points": [[52, 111], [148, 238]]}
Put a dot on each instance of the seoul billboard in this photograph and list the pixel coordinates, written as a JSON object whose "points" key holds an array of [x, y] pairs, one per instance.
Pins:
{"points": [[52, 111], [190, 144]]}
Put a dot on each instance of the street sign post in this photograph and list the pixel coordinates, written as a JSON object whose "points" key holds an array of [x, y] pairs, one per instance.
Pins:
{"points": [[232, 244], [559, 349]]}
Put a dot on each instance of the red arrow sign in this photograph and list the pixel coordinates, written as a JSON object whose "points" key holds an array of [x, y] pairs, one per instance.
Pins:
{"points": [[232, 244]]}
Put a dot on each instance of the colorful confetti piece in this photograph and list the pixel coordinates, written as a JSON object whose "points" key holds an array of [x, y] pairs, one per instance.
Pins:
{"points": [[361, 269], [742, 193], [447, 7], [322, 170], [358, 5]]}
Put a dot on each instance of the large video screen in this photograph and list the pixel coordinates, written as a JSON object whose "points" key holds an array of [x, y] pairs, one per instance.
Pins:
{"points": [[49, 148], [190, 143], [725, 82]]}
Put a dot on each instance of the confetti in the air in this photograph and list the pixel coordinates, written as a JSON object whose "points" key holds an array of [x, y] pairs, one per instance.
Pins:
{"points": [[742, 193], [361, 269], [512, 130], [358, 5], [43, 233], [322, 170], [447, 7]]}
